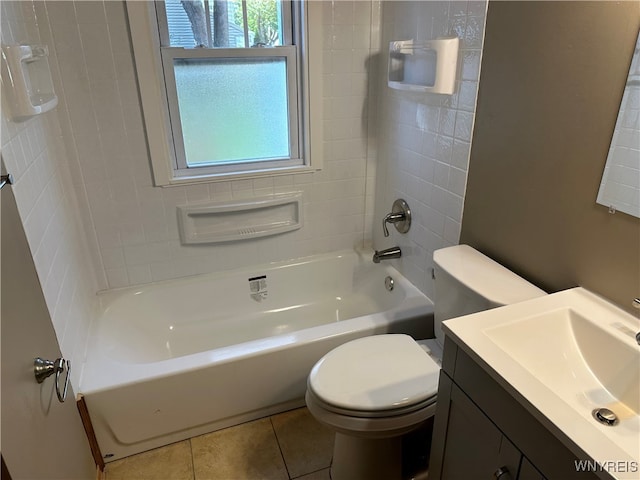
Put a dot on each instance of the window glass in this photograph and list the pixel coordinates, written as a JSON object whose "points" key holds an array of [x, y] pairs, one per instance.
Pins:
{"points": [[233, 109], [221, 23], [264, 22]]}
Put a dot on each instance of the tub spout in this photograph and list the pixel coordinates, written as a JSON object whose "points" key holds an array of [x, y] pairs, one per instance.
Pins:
{"points": [[386, 254]]}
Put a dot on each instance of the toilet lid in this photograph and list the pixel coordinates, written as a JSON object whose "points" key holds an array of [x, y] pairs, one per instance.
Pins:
{"points": [[381, 372]]}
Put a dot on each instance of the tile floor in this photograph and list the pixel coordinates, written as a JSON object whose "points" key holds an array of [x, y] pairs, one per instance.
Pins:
{"points": [[290, 445]]}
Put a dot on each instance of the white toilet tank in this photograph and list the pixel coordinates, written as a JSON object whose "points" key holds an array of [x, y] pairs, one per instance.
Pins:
{"points": [[467, 281]]}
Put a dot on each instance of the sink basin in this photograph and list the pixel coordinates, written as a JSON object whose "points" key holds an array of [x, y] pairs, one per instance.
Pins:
{"points": [[568, 354], [581, 361]]}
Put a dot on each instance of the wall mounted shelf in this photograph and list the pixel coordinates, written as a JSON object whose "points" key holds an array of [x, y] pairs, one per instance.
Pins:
{"points": [[428, 67], [26, 72], [239, 219]]}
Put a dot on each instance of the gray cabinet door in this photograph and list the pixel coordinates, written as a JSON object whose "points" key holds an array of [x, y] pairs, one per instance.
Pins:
{"points": [[528, 471], [473, 446], [41, 437]]}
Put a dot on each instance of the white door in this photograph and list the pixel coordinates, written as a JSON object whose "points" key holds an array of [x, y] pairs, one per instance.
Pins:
{"points": [[41, 437]]}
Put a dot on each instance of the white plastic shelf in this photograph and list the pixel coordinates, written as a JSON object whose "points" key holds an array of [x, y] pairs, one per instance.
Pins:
{"points": [[239, 220], [26, 72], [428, 67]]}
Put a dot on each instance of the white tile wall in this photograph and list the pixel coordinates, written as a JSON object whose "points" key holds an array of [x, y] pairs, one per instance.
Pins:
{"points": [[87, 163], [34, 153], [134, 224], [424, 139]]}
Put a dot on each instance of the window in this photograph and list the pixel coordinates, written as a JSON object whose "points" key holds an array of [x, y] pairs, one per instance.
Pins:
{"points": [[225, 87]]}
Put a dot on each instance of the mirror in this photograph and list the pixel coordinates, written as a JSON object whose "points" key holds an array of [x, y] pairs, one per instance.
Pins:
{"points": [[620, 186]]}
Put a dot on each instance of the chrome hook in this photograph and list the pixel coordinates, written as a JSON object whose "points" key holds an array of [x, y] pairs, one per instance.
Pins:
{"points": [[43, 369]]}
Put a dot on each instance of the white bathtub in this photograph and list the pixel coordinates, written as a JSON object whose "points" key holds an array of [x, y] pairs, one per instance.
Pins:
{"points": [[176, 359]]}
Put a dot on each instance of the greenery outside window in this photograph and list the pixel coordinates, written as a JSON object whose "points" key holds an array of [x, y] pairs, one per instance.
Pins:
{"points": [[225, 87]]}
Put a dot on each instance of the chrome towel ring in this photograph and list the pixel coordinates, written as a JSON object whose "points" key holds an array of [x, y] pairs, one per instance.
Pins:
{"points": [[43, 369]]}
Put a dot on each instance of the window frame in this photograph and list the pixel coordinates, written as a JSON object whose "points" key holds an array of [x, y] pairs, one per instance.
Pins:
{"points": [[155, 94]]}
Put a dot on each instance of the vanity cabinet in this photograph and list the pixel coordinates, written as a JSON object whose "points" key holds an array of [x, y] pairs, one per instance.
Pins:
{"points": [[475, 448], [483, 431], [528, 471]]}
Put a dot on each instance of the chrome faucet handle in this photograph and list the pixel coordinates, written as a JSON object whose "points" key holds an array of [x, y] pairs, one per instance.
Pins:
{"points": [[400, 216], [391, 218]]}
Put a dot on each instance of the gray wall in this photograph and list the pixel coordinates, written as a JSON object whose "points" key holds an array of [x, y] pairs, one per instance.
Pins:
{"points": [[552, 78]]}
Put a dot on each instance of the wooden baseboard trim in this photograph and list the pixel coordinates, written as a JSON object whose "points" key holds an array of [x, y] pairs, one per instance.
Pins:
{"points": [[91, 435], [100, 474]]}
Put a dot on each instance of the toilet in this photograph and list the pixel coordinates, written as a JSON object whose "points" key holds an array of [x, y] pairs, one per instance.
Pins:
{"points": [[374, 390]]}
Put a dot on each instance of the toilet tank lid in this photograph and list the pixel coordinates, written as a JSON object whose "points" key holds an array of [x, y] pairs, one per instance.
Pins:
{"points": [[485, 276]]}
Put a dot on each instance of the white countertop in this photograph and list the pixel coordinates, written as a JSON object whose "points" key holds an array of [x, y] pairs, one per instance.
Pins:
{"points": [[550, 350]]}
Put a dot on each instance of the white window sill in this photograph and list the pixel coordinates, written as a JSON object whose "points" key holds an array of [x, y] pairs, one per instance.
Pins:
{"points": [[226, 177]]}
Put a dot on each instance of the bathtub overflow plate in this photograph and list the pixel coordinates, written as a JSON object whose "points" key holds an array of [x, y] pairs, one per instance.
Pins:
{"points": [[389, 283]]}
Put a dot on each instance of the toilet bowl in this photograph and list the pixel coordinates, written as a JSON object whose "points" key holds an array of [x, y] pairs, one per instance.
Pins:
{"points": [[374, 390]]}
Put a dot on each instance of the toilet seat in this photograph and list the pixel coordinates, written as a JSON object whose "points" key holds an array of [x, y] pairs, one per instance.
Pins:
{"points": [[378, 376], [371, 414]]}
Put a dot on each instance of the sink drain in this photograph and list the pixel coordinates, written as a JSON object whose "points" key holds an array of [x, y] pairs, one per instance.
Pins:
{"points": [[605, 416]]}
